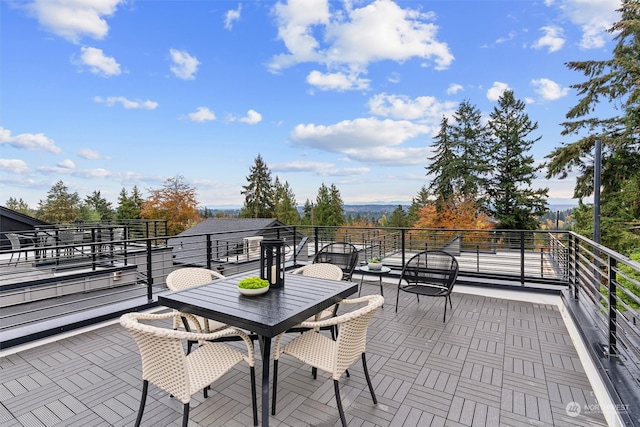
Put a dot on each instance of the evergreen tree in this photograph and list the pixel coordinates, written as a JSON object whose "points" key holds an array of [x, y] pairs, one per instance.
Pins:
{"points": [[513, 203], [308, 213], [285, 203], [129, 207], [329, 208], [417, 203], [398, 218], [258, 193], [616, 82], [61, 206], [443, 167], [19, 206], [100, 205], [470, 140]]}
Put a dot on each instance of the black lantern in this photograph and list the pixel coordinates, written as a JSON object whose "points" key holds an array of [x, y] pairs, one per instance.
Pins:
{"points": [[272, 262]]}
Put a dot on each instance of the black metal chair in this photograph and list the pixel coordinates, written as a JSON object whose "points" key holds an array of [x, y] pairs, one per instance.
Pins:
{"points": [[342, 254], [429, 273]]}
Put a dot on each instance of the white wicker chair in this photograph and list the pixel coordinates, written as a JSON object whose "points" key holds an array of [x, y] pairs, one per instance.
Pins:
{"points": [[334, 357], [189, 277], [165, 364], [323, 271]]}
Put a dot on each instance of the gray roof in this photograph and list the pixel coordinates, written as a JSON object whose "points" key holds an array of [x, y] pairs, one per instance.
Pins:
{"points": [[227, 236]]}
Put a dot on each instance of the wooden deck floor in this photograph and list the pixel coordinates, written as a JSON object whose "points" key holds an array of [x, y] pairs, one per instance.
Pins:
{"points": [[495, 362]]}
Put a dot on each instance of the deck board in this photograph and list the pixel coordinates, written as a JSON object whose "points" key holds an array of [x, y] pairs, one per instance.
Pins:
{"points": [[494, 362]]}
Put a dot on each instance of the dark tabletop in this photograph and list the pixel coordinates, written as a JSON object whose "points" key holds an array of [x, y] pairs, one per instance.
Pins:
{"points": [[268, 314]]}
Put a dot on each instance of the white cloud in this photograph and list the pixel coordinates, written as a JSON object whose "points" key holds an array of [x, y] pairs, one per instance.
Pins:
{"points": [[252, 117], [337, 81], [494, 93], [184, 65], [594, 17], [87, 153], [126, 103], [28, 141], [365, 139], [402, 107], [202, 115], [317, 168], [67, 164], [14, 165], [454, 88], [548, 89], [232, 15], [98, 63], [355, 37], [74, 19], [553, 39]]}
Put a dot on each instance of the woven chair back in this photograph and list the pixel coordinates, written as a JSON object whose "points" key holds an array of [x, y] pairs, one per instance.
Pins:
{"points": [[321, 270], [352, 336], [163, 357], [431, 268], [188, 277]]}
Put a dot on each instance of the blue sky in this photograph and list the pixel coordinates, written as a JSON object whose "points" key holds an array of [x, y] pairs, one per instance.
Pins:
{"points": [[108, 94]]}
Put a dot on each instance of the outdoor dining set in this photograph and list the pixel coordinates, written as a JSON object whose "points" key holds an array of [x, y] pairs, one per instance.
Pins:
{"points": [[213, 326]]}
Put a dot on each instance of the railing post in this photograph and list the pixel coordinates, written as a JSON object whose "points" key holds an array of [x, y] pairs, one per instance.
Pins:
{"points": [[149, 272], [315, 239], [403, 234], [613, 308], [209, 252], [522, 257], [293, 247]]}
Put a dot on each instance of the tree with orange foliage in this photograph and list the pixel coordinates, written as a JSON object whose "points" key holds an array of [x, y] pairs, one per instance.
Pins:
{"points": [[451, 216], [175, 202]]}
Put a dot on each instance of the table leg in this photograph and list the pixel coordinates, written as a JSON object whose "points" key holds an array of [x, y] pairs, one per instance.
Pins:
{"points": [[265, 345], [380, 279]]}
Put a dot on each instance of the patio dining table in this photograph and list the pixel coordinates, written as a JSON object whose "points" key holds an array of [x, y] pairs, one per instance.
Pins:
{"points": [[266, 315]]}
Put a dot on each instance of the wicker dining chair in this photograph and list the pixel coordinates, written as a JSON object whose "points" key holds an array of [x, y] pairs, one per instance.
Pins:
{"points": [[323, 271], [165, 364], [431, 274], [342, 254], [189, 277], [334, 357]]}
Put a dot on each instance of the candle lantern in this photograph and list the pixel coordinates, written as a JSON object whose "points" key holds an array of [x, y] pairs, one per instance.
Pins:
{"points": [[272, 262]]}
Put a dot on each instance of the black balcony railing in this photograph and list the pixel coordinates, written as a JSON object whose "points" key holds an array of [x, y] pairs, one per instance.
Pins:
{"points": [[106, 273]]}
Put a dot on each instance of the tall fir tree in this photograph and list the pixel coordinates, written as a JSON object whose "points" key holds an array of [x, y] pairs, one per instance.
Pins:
{"points": [[129, 207], [443, 166], [285, 203], [60, 206], [513, 202], [471, 140], [259, 192], [100, 205]]}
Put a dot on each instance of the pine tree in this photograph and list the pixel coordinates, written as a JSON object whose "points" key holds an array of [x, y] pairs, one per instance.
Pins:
{"points": [[129, 207], [285, 203], [398, 218], [100, 205], [329, 208], [61, 206], [513, 203], [444, 165], [19, 206], [470, 139], [258, 193], [417, 203]]}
